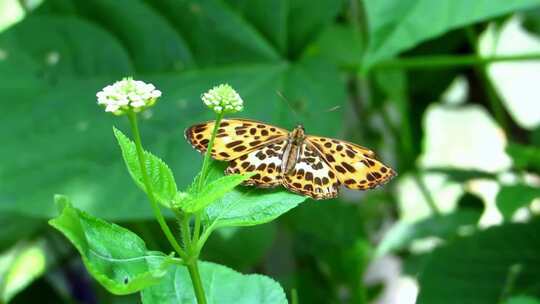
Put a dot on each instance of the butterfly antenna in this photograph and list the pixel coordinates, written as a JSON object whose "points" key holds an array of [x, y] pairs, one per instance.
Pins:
{"points": [[332, 109], [289, 105]]}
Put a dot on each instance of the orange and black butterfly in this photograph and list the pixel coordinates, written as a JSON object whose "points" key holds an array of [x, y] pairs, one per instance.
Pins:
{"points": [[309, 165]]}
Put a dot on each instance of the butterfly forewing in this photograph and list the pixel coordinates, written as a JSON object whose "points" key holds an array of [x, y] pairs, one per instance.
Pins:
{"points": [[265, 162], [355, 167], [311, 175], [235, 137]]}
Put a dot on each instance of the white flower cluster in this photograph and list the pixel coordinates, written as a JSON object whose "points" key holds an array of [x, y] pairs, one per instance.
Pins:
{"points": [[223, 99], [128, 94]]}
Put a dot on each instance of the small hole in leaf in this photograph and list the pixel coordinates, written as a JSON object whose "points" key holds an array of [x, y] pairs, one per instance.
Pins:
{"points": [[126, 280]]}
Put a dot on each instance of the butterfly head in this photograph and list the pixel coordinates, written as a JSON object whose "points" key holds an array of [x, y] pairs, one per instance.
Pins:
{"points": [[298, 134]]}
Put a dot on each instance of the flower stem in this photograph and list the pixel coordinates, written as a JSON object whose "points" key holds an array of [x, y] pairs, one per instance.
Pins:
{"points": [[193, 269], [206, 160], [202, 176], [132, 116]]}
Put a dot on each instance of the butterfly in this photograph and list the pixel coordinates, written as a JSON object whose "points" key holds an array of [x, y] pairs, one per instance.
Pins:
{"points": [[308, 165]]}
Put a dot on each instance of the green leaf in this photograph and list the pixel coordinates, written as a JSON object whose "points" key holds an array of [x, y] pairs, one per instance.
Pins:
{"points": [[268, 17], [305, 21], [16, 227], [511, 198], [20, 266], [161, 177], [71, 148], [116, 257], [235, 42], [396, 26], [340, 44], [153, 43], [445, 227], [247, 206], [524, 157], [211, 192], [522, 300], [228, 246], [480, 268], [221, 285], [59, 51], [250, 206]]}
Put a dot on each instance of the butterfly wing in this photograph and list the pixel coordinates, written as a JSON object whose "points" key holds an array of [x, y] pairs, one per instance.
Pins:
{"points": [[355, 166], [312, 176], [235, 137], [264, 161]]}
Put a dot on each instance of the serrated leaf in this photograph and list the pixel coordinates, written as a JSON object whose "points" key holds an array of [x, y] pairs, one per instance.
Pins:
{"points": [[251, 206], [161, 177], [445, 226], [511, 198], [116, 257], [212, 191], [480, 268], [221, 285]]}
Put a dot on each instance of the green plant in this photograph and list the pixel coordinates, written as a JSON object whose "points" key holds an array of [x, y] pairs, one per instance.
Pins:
{"points": [[119, 260], [375, 72]]}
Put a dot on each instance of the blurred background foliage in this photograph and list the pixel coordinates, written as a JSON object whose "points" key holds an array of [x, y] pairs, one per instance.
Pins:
{"points": [[445, 91]]}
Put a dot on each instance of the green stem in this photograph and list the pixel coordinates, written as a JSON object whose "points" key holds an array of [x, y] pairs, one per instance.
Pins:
{"points": [[208, 152], [427, 196], [204, 237], [294, 296], [149, 191], [444, 61], [202, 177], [193, 269]]}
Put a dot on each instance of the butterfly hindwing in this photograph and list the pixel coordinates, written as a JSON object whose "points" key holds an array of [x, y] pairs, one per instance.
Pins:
{"points": [[264, 161], [311, 175], [235, 137], [355, 167]]}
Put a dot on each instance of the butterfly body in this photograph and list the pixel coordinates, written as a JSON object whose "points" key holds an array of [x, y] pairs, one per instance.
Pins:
{"points": [[309, 165], [293, 149]]}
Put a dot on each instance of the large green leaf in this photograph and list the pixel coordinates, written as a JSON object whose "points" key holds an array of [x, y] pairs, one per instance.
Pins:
{"points": [[58, 51], [228, 246], [216, 33], [305, 21], [116, 257], [445, 226], [221, 285], [511, 198], [480, 268], [154, 45], [268, 17], [66, 137], [397, 25]]}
